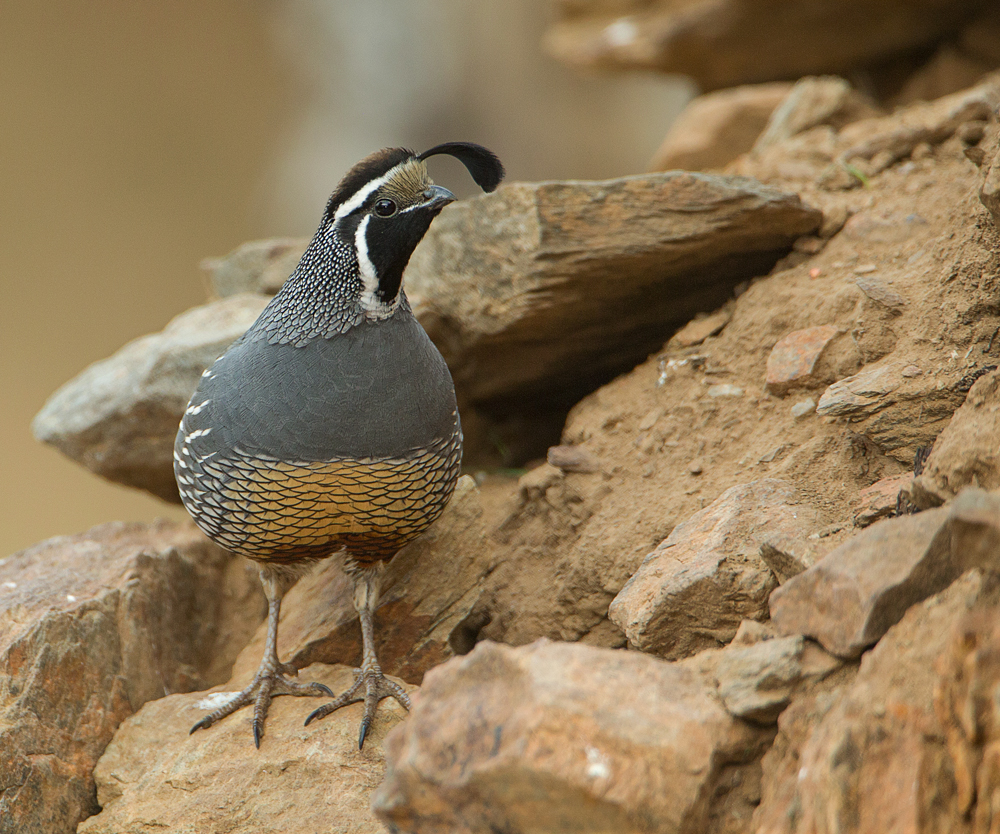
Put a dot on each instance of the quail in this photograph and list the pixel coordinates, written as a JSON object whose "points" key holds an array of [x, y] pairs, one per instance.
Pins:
{"points": [[331, 425]]}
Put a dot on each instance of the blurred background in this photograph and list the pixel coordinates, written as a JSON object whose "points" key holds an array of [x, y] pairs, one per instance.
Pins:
{"points": [[138, 138]]}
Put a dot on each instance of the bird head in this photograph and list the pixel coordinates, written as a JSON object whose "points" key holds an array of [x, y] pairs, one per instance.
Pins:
{"points": [[384, 206]]}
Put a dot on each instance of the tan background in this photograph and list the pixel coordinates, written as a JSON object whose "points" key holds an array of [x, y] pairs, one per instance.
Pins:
{"points": [[137, 138]]}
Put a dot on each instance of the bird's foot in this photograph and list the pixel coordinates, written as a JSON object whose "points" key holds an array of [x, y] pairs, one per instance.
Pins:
{"points": [[267, 683], [370, 686]]}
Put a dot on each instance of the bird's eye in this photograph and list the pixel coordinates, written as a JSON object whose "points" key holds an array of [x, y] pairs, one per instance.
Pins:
{"points": [[385, 208]]}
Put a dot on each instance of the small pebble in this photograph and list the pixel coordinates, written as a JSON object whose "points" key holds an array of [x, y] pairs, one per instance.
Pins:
{"points": [[725, 390], [804, 408], [911, 371], [815, 272], [696, 467], [864, 269]]}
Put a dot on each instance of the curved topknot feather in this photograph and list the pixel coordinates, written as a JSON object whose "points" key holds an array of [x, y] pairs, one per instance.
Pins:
{"points": [[484, 166]]}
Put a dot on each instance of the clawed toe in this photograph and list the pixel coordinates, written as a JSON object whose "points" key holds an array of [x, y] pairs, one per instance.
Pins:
{"points": [[264, 687], [376, 687]]}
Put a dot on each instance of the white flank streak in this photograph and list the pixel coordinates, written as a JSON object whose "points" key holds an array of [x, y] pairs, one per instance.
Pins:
{"points": [[198, 433], [370, 303], [196, 409], [362, 195]]}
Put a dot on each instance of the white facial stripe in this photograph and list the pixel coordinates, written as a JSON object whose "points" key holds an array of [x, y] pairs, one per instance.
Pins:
{"points": [[373, 306], [365, 265], [364, 193]]}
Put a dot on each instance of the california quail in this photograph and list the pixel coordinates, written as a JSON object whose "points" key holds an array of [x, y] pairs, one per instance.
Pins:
{"points": [[331, 424]]}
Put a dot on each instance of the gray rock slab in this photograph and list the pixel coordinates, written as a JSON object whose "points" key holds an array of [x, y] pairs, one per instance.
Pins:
{"points": [[119, 417]]}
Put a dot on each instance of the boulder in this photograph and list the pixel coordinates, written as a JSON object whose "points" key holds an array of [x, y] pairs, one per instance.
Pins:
{"points": [[540, 738], [850, 598], [898, 409], [693, 591], [553, 259], [119, 417], [871, 756], [758, 674], [302, 779], [966, 453], [722, 43], [92, 627], [427, 610], [812, 102], [717, 127]]}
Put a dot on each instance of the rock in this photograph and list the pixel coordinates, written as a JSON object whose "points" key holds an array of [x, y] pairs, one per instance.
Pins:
{"points": [[899, 411], [722, 43], [989, 192], [793, 359], [302, 779], [871, 757], [812, 102], [259, 266], [695, 588], [119, 417], [877, 290], [572, 459], [757, 682], [966, 694], [427, 609], [880, 499], [549, 743], [850, 598], [93, 626], [552, 258], [787, 555], [701, 327], [803, 408], [882, 142], [717, 127]]}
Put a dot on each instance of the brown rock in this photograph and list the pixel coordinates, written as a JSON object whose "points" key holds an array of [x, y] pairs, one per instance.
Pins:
{"points": [[848, 599], [967, 452], [91, 627], [898, 410], [553, 259], [722, 43], [692, 591], [717, 127], [880, 499], [549, 743], [259, 266], [302, 779], [119, 417], [882, 142], [787, 555], [757, 681], [793, 359], [812, 102], [426, 608], [989, 192], [871, 757], [701, 327], [572, 459]]}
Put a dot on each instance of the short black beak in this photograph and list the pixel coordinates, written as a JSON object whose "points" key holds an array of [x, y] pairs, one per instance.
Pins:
{"points": [[436, 197]]}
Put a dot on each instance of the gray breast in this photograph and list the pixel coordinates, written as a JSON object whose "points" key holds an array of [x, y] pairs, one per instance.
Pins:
{"points": [[378, 390]]}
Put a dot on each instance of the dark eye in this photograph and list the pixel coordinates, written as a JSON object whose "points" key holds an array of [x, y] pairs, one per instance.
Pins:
{"points": [[385, 208]]}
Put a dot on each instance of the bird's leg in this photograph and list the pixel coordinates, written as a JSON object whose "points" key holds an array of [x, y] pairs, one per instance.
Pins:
{"points": [[270, 679], [370, 685]]}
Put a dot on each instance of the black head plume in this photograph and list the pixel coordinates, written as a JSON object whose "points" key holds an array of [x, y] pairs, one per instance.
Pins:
{"points": [[484, 166]]}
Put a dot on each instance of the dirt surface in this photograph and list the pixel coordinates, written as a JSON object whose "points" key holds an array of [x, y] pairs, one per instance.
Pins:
{"points": [[906, 267]]}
